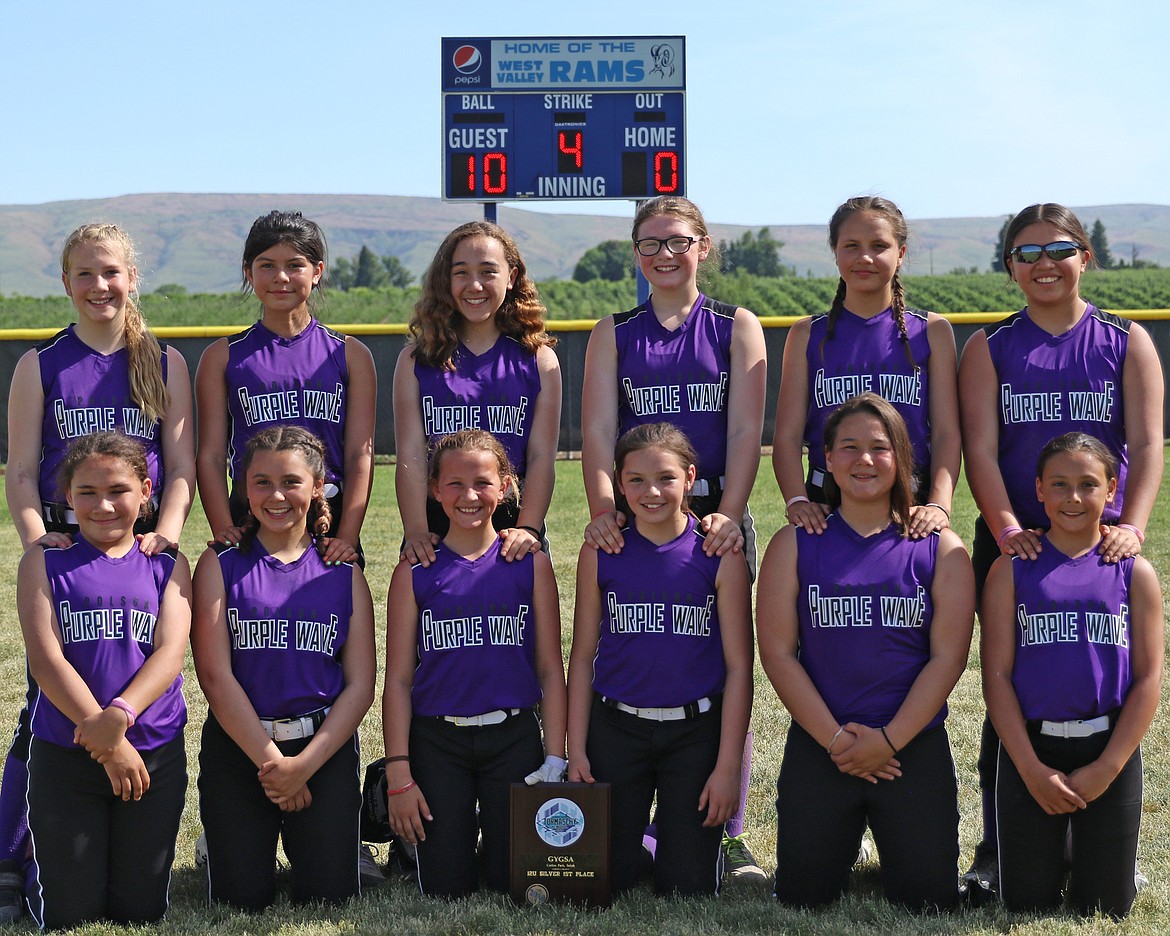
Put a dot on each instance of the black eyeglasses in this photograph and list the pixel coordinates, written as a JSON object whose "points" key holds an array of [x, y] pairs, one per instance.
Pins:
{"points": [[649, 246], [1056, 251]]}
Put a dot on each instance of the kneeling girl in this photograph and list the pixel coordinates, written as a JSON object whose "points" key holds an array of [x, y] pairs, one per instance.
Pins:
{"points": [[284, 649], [660, 674], [472, 648], [864, 632], [105, 626], [1071, 704]]}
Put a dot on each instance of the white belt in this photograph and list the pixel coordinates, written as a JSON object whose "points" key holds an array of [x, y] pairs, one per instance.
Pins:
{"points": [[291, 729], [674, 713], [1079, 728], [478, 721], [331, 490], [817, 477], [702, 487]]}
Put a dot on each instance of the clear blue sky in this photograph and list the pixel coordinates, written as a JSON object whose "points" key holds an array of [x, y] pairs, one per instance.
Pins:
{"points": [[950, 109]]}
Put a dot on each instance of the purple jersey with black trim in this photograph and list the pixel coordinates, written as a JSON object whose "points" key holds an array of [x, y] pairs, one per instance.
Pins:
{"points": [[495, 391], [660, 644], [1047, 385], [868, 355], [107, 609], [86, 392], [299, 381], [681, 377], [287, 623], [476, 634], [864, 613], [1072, 635]]}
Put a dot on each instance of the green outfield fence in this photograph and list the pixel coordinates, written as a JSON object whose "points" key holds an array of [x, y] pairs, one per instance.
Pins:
{"points": [[385, 342]]}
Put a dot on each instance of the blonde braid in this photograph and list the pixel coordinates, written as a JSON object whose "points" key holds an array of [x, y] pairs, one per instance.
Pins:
{"points": [[147, 386]]}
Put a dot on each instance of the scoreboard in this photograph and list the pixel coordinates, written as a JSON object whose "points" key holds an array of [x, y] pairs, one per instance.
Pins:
{"points": [[557, 118]]}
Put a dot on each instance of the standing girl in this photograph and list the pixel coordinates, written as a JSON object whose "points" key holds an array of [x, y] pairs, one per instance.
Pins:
{"points": [[107, 766], [869, 340], [479, 358], [684, 357], [660, 674], [287, 369], [699, 364], [284, 648], [1058, 365], [864, 632], [472, 647], [105, 372], [1072, 673]]}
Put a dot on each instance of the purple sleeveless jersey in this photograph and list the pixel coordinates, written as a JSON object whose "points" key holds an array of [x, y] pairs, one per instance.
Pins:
{"points": [[107, 609], [301, 381], [88, 392], [476, 634], [495, 391], [1072, 635], [287, 623], [1047, 385], [864, 613], [660, 642], [680, 377], [868, 355]]}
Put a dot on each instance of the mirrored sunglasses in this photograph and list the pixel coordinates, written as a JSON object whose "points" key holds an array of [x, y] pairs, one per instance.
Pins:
{"points": [[1056, 251]]}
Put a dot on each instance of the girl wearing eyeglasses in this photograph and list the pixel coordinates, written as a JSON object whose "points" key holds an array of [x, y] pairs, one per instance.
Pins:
{"points": [[869, 341], [683, 358], [1058, 365]]}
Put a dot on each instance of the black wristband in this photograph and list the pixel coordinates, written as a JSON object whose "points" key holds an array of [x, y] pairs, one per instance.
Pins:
{"points": [[888, 741], [535, 532]]}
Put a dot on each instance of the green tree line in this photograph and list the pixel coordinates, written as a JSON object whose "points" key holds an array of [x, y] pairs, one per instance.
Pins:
{"points": [[1116, 290]]}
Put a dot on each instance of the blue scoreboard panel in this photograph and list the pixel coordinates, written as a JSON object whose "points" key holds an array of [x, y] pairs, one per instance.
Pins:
{"points": [[593, 118]]}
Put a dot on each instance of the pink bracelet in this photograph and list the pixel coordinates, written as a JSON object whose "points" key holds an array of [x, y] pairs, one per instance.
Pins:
{"points": [[1006, 533], [409, 786], [120, 703], [1141, 536], [798, 499]]}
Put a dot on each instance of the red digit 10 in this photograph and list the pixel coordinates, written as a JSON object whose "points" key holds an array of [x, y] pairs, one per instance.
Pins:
{"points": [[574, 151], [666, 171], [495, 173]]}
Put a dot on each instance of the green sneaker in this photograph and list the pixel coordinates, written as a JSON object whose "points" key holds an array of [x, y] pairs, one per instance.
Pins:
{"points": [[738, 861]]}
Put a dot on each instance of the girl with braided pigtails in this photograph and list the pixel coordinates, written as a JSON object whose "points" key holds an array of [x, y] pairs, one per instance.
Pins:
{"points": [[869, 341]]}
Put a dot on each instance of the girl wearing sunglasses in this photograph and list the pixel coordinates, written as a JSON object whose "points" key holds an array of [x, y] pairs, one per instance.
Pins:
{"points": [[1058, 365]]}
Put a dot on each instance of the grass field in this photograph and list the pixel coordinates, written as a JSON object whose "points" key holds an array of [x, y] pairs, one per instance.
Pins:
{"points": [[398, 908]]}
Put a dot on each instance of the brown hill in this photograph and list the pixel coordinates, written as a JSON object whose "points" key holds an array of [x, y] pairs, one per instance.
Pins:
{"points": [[195, 240]]}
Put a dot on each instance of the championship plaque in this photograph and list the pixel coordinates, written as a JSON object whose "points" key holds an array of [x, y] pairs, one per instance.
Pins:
{"points": [[560, 843]]}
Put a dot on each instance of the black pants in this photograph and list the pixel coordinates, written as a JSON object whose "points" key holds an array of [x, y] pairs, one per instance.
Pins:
{"points": [[242, 825], [673, 759], [1104, 834], [821, 814], [96, 856], [456, 768]]}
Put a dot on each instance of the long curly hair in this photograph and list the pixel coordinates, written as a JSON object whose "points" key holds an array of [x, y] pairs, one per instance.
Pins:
{"points": [[883, 208], [435, 322], [147, 387]]}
